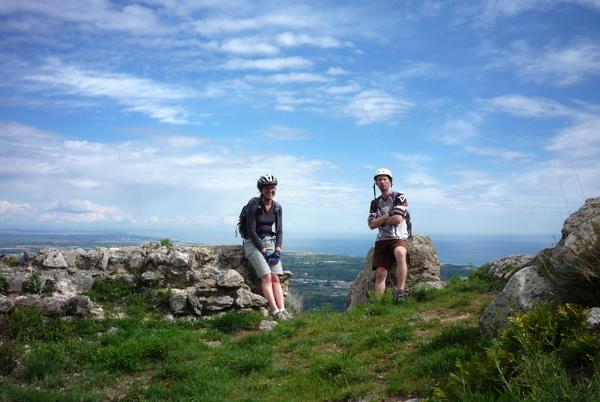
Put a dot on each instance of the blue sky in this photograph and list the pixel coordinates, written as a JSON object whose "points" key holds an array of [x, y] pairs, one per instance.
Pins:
{"points": [[158, 116]]}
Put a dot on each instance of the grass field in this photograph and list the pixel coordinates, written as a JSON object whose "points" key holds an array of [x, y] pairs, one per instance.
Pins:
{"points": [[378, 352]]}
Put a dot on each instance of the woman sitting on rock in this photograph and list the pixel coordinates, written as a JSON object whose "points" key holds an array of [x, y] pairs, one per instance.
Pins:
{"points": [[263, 246]]}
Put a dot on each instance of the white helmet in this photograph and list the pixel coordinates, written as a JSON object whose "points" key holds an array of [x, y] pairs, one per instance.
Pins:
{"points": [[383, 171]]}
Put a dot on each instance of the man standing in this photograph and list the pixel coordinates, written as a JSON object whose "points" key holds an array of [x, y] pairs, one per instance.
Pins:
{"points": [[388, 213]]}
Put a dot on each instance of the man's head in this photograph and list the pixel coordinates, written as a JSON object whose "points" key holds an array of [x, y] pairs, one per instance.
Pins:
{"points": [[383, 173]]}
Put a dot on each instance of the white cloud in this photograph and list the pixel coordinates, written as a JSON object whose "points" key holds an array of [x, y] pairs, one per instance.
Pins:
{"points": [[335, 71], [214, 26], [83, 211], [268, 64], [97, 14], [506, 154], [279, 132], [527, 106], [579, 140], [376, 105], [561, 66], [289, 39], [249, 46], [10, 209], [138, 94], [352, 87], [458, 131], [491, 10], [288, 78]]}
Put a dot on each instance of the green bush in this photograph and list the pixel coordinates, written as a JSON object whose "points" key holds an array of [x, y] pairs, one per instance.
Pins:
{"points": [[535, 358], [132, 354], [11, 261], [34, 284], [8, 357], [166, 242], [44, 361], [3, 283]]}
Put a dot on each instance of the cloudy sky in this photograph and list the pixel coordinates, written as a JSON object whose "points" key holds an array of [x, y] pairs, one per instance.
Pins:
{"points": [[159, 115]]}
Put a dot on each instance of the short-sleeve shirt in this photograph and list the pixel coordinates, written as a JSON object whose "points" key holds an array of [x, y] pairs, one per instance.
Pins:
{"points": [[395, 204]]}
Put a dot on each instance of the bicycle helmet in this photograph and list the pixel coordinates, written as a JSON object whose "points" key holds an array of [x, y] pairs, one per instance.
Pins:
{"points": [[266, 180], [383, 171]]}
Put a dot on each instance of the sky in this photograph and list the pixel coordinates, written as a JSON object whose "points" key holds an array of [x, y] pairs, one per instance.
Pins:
{"points": [[159, 116]]}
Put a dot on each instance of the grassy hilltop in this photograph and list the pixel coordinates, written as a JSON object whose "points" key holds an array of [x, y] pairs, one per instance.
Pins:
{"points": [[427, 348]]}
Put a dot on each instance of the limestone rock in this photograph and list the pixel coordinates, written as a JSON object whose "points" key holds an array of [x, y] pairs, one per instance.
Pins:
{"points": [[6, 304], [217, 303], [267, 325], [246, 299], [178, 300], [593, 319], [504, 267], [230, 279], [53, 306], [54, 259], [524, 289], [423, 266]]}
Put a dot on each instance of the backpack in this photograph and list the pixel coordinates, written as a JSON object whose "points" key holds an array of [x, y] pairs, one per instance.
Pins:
{"points": [[241, 225], [375, 204]]}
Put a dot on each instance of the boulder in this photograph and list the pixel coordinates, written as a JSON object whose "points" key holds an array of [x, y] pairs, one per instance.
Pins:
{"points": [[503, 268], [423, 266], [548, 276], [522, 291]]}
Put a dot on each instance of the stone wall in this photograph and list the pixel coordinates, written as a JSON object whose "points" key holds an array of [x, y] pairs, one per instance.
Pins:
{"points": [[204, 280]]}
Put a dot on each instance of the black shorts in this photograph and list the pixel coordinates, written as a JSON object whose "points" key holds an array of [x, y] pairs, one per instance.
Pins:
{"points": [[383, 255]]}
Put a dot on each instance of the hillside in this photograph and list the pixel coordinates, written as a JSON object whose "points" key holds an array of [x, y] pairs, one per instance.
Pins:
{"points": [[379, 351]]}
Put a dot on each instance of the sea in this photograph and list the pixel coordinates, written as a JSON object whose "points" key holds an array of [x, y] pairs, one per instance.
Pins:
{"points": [[323, 267]]}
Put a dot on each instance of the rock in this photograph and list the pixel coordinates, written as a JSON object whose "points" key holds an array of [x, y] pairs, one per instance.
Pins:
{"points": [[152, 278], [217, 303], [179, 259], [169, 318], [6, 304], [428, 285], [54, 259], [81, 306], [267, 325], [423, 266], [53, 306], [504, 267], [230, 279], [178, 301], [593, 319], [247, 299], [522, 291]]}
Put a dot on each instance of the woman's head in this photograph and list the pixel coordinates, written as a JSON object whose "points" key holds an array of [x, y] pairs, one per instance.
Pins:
{"points": [[267, 185]]}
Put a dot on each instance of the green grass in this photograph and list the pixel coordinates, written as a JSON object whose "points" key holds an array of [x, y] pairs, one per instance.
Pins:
{"points": [[378, 351]]}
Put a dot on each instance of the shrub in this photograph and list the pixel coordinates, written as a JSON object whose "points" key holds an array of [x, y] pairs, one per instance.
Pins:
{"points": [[3, 283], [11, 261], [549, 341], [8, 357], [34, 284], [166, 242], [43, 362]]}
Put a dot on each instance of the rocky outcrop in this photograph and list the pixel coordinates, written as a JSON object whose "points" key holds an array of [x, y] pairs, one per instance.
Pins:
{"points": [[423, 270], [203, 280], [503, 268], [543, 278]]}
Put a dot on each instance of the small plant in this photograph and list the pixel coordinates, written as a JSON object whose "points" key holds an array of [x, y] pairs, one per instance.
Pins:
{"points": [[11, 261], [233, 321], [34, 284], [3, 283], [166, 242], [8, 357]]}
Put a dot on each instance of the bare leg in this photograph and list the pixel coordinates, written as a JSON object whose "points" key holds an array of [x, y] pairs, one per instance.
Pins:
{"points": [[380, 275], [401, 267], [277, 292], [267, 291]]}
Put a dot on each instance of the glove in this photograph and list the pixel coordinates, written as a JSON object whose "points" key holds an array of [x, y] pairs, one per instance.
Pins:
{"points": [[267, 255], [274, 258]]}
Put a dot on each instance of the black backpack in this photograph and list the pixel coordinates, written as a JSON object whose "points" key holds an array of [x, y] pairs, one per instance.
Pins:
{"points": [[375, 205], [241, 225]]}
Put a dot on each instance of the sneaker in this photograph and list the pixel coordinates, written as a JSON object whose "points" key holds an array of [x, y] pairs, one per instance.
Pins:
{"points": [[278, 316], [401, 296]]}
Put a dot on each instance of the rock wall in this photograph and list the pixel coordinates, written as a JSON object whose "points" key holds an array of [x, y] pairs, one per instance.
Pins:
{"points": [[423, 271], [204, 280]]}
